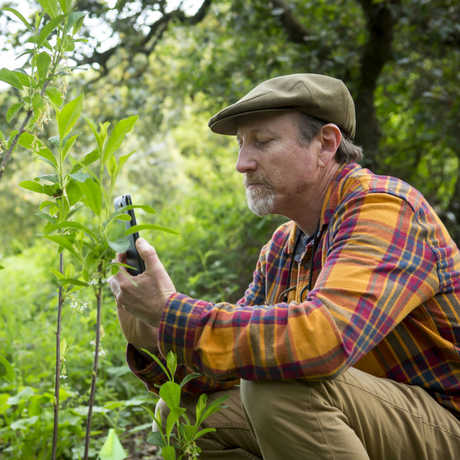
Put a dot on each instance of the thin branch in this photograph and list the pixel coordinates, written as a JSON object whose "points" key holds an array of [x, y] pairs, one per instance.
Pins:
{"points": [[57, 380], [95, 368]]}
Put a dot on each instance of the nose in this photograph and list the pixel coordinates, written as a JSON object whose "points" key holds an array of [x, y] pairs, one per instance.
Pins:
{"points": [[246, 162]]}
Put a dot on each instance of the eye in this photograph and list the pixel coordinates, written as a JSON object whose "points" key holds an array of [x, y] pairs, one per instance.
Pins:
{"points": [[260, 143]]}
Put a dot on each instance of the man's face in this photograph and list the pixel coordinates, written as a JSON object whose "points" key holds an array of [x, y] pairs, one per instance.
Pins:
{"points": [[280, 171]]}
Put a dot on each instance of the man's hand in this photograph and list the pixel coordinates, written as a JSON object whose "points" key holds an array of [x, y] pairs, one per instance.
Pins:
{"points": [[143, 296]]}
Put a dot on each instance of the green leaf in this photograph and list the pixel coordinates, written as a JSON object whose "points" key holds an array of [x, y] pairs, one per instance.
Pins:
{"points": [[173, 417], [203, 432], [73, 192], [49, 27], [170, 393], [24, 423], [66, 5], [158, 361], [10, 77], [76, 226], [63, 242], [139, 227], [92, 195], [155, 438], [33, 186], [12, 111], [43, 63], [47, 154], [117, 135], [90, 157], [188, 432], [188, 377], [55, 96], [75, 20], [171, 363], [26, 140], [80, 176], [168, 453], [112, 448], [53, 178], [68, 145], [50, 7], [69, 115], [18, 15], [215, 406], [7, 370], [4, 406]]}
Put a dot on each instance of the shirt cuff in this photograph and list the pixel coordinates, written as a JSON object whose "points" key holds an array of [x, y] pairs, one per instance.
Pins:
{"points": [[180, 326], [144, 367]]}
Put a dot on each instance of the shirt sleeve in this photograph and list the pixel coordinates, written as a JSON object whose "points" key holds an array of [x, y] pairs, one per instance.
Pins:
{"points": [[376, 268], [147, 370]]}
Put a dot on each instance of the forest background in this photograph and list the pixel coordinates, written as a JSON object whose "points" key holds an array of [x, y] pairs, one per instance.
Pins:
{"points": [[174, 64]]}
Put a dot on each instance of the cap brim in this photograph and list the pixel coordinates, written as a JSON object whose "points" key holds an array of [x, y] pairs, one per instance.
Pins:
{"points": [[229, 124]]}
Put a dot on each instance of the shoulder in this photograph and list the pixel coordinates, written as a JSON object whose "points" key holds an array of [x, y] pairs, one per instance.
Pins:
{"points": [[360, 182]]}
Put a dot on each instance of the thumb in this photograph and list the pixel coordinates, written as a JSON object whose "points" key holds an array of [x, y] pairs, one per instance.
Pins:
{"points": [[147, 252]]}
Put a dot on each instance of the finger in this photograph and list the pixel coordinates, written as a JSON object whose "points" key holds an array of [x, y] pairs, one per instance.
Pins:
{"points": [[114, 286], [147, 253]]}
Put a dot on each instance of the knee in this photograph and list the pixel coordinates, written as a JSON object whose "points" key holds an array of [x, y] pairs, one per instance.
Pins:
{"points": [[268, 401]]}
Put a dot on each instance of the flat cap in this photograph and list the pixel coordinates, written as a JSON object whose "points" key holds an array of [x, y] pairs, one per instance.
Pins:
{"points": [[319, 96]]}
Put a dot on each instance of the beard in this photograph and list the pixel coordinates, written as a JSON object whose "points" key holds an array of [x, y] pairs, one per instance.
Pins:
{"points": [[260, 197]]}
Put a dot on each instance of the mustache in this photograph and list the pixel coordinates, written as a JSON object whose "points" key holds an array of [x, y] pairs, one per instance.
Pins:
{"points": [[255, 180]]}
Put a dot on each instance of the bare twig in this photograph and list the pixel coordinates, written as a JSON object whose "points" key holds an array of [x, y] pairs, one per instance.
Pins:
{"points": [[95, 368], [58, 363]]}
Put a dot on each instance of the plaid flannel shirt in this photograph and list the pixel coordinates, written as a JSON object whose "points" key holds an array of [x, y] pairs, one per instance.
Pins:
{"points": [[385, 299]]}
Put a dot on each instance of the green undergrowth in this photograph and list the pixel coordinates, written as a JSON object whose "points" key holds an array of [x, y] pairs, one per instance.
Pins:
{"points": [[28, 302]]}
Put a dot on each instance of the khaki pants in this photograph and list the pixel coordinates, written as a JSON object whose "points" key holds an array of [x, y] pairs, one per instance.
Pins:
{"points": [[355, 416]]}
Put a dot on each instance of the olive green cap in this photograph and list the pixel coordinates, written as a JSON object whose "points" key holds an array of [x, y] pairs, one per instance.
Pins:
{"points": [[319, 96]]}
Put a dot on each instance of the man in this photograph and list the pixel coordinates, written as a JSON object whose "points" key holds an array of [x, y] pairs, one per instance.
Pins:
{"points": [[347, 341]]}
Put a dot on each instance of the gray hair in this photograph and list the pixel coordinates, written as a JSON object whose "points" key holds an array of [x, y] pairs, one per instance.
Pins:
{"points": [[346, 153]]}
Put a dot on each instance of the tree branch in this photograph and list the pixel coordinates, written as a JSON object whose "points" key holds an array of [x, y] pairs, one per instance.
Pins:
{"points": [[156, 31], [296, 31]]}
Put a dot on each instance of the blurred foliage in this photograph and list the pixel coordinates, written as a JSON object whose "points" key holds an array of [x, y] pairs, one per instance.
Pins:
{"points": [[186, 72]]}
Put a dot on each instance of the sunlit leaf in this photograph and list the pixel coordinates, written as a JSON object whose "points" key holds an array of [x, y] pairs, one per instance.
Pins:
{"points": [[7, 370], [33, 186], [18, 15], [26, 140], [69, 115], [92, 195], [68, 146], [10, 77], [168, 453], [139, 227], [118, 134], [171, 363], [65, 5], [51, 7], [63, 242], [55, 96], [43, 63], [12, 111], [47, 154], [48, 28], [170, 393]]}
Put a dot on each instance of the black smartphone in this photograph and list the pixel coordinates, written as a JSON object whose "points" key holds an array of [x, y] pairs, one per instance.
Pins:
{"points": [[132, 256]]}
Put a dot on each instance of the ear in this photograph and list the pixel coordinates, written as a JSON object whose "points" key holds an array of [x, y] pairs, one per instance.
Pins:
{"points": [[330, 137]]}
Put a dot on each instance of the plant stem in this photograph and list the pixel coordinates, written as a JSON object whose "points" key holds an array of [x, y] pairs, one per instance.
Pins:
{"points": [[95, 367], [58, 363]]}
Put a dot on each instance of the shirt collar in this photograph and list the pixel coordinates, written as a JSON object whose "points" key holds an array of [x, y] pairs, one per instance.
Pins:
{"points": [[331, 200]]}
